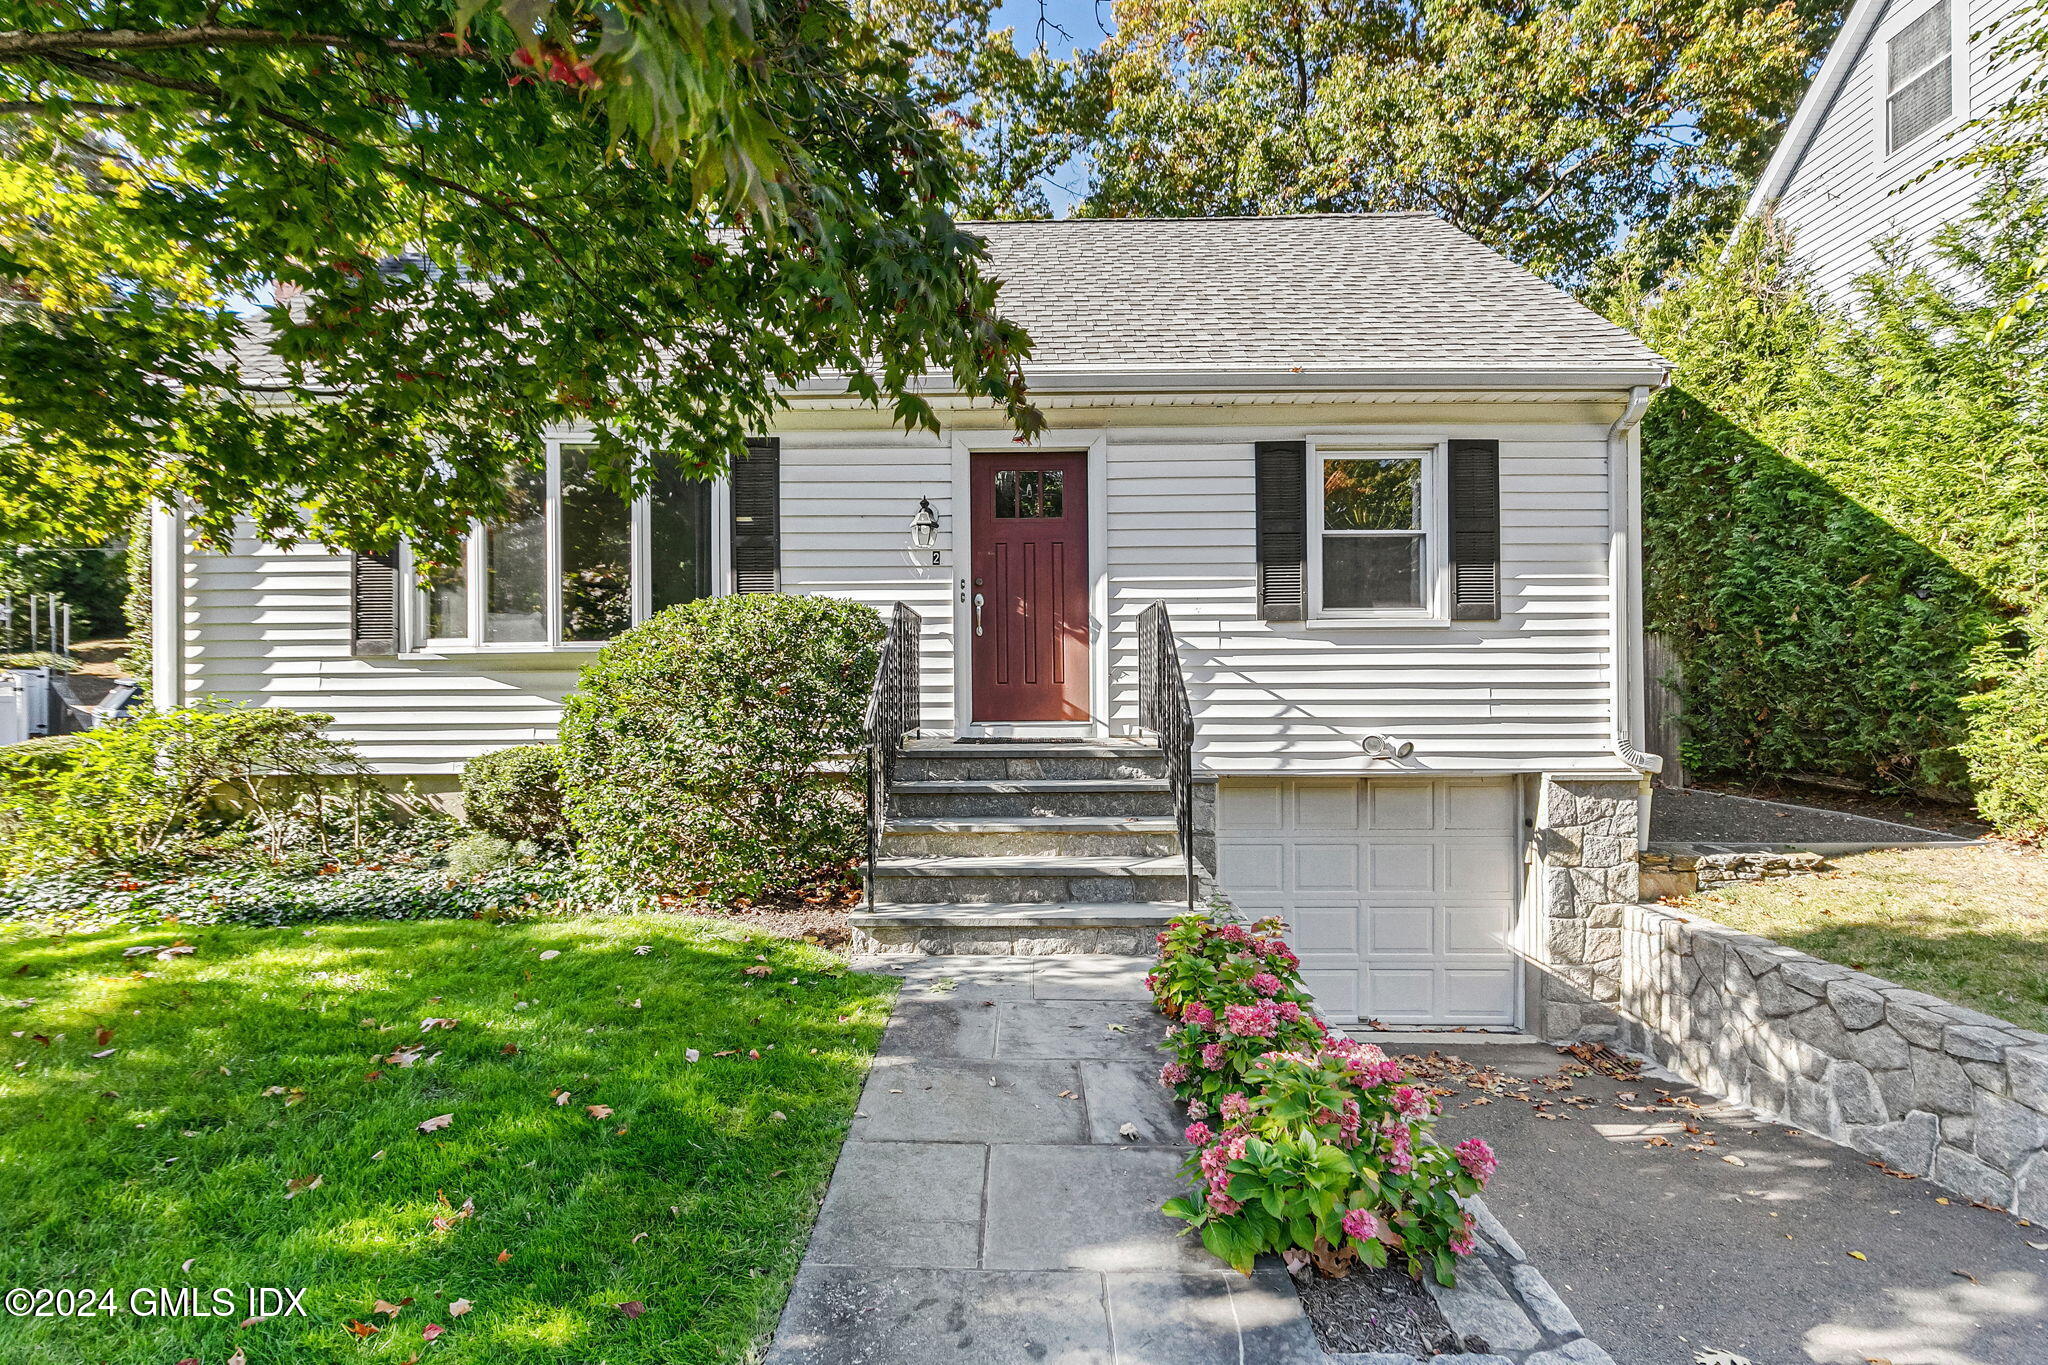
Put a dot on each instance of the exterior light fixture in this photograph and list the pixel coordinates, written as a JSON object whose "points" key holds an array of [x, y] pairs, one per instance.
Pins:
{"points": [[1385, 746], [924, 527]]}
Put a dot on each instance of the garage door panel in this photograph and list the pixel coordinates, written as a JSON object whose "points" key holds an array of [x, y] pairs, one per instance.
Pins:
{"points": [[1476, 929], [1332, 806], [1250, 805], [1325, 930], [1321, 867], [1400, 867], [1335, 990], [1392, 929], [1481, 808], [1405, 995], [1401, 892], [1401, 805], [1253, 868], [1471, 867]]}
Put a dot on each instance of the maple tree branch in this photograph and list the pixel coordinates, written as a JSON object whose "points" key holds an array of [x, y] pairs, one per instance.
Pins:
{"points": [[14, 46]]}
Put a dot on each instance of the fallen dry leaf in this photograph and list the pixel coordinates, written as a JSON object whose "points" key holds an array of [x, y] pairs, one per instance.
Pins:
{"points": [[437, 1123], [457, 1307], [598, 1111], [1859, 1256], [504, 1256], [758, 971], [361, 1329], [428, 1025], [550, 955], [389, 1310], [301, 1185], [633, 1309], [238, 1358], [431, 1330]]}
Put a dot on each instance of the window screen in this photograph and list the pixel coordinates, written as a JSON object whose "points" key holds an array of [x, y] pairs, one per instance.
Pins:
{"points": [[1919, 86]]}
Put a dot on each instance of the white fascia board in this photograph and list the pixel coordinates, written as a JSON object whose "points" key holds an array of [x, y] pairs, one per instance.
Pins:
{"points": [[1856, 29], [1292, 381]]}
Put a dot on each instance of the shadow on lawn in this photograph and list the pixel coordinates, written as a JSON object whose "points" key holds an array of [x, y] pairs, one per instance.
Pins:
{"points": [[270, 1056]]}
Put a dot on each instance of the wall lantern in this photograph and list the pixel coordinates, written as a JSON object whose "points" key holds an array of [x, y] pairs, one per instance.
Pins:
{"points": [[924, 527]]}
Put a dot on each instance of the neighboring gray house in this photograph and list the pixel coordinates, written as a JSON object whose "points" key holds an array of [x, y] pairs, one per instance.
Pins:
{"points": [[1383, 482], [1858, 163]]}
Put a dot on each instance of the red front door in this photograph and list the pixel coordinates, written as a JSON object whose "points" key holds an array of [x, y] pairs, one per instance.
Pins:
{"points": [[1028, 593]]}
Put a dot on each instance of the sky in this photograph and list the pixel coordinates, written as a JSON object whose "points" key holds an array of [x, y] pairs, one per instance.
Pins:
{"points": [[1068, 25]]}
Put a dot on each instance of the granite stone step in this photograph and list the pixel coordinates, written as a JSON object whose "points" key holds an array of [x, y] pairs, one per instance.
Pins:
{"points": [[995, 799], [996, 762], [1040, 835], [1033, 879]]}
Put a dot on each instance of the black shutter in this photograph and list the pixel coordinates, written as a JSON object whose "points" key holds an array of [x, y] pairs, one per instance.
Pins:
{"points": [[1281, 520], [757, 517], [373, 605], [1475, 530]]}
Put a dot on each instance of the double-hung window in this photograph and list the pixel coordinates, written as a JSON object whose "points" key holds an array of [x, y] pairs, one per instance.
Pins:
{"points": [[572, 563], [1920, 82], [1376, 535]]}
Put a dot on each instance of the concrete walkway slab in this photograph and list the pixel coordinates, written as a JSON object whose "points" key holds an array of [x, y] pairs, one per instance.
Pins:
{"points": [[1665, 1252], [1086, 1208]]}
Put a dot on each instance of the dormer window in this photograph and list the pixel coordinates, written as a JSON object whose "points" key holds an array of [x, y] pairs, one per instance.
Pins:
{"points": [[1919, 77]]}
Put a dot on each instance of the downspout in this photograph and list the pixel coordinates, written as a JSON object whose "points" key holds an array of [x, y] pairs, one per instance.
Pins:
{"points": [[1625, 575]]}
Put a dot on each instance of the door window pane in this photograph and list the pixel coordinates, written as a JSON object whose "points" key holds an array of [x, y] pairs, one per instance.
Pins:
{"points": [[1054, 493], [515, 564], [1006, 492], [679, 536], [445, 590], [1372, 571], [597, 552], [1371, 495]]}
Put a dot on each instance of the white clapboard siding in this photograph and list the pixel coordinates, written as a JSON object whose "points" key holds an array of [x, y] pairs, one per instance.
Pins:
{"points": [[1845, 195], [1526, 693]]}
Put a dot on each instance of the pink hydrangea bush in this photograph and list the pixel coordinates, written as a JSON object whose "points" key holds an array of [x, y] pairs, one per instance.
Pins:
{"points": [[1306, 1143], [1236, 993]]}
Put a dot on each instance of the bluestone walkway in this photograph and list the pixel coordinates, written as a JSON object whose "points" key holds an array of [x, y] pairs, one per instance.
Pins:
{"points": [[997, 1200]]}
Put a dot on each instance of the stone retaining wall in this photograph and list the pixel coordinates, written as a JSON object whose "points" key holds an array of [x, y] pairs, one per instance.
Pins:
{"points": [[1924, 1086], [1666, 875]]}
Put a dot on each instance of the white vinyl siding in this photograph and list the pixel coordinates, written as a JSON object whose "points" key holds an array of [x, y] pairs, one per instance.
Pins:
{"points": [[1529, 692], [1848, 192]]}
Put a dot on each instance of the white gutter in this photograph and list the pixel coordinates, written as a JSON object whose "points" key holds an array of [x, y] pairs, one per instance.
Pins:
{"points": [[1857, 27], [1209, 381], [167, 604], [1625, 577]]}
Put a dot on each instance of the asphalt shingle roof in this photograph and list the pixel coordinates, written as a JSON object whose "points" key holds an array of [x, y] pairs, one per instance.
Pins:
{"points": [[1379, 292]]}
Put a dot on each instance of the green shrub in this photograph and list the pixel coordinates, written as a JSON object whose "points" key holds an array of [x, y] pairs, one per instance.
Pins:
{"points": [[35, 758], [1846, 514], [155, 788], [516, 794], [41, 658], [692, 748]]}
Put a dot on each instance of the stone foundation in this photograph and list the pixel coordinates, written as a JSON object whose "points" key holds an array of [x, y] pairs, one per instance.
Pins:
{"points": [[1667, 876], [1925, 1086]]}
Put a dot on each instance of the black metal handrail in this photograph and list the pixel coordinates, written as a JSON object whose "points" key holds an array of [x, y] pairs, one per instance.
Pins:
{"points": [[1163, 709], [891, 714]]}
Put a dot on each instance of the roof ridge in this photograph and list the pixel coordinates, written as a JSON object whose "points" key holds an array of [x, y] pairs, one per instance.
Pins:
{"points": [[1210, 218]]}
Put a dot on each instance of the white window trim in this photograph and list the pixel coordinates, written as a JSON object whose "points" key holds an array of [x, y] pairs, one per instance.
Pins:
{"points": [[1958, 81], [418, 642], [1435, 528]]}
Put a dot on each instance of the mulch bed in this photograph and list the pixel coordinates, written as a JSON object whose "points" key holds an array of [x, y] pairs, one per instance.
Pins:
{"points": [[1375, 1310]]}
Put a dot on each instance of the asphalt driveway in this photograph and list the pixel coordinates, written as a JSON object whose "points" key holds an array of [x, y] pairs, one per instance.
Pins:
{"points": [[1738, 1236]]}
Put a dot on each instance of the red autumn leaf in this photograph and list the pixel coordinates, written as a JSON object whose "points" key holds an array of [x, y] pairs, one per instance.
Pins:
{"points": [[504, 1256], [103, 1036], [361, 1329], [432, 1330]]}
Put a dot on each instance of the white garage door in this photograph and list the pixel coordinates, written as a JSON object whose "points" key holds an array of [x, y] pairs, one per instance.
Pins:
{"points": [[1401, 891]]}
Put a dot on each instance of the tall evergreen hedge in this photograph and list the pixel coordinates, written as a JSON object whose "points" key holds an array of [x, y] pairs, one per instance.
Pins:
{"points": [[1847, 515]]}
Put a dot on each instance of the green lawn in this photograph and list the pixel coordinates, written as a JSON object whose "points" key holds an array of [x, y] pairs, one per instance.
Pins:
{"points": [[1967, 924], [265, 1058]]}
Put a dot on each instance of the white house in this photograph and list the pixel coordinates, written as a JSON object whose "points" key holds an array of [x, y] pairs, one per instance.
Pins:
{"points": [[1863, 159], [1384, 483]]}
